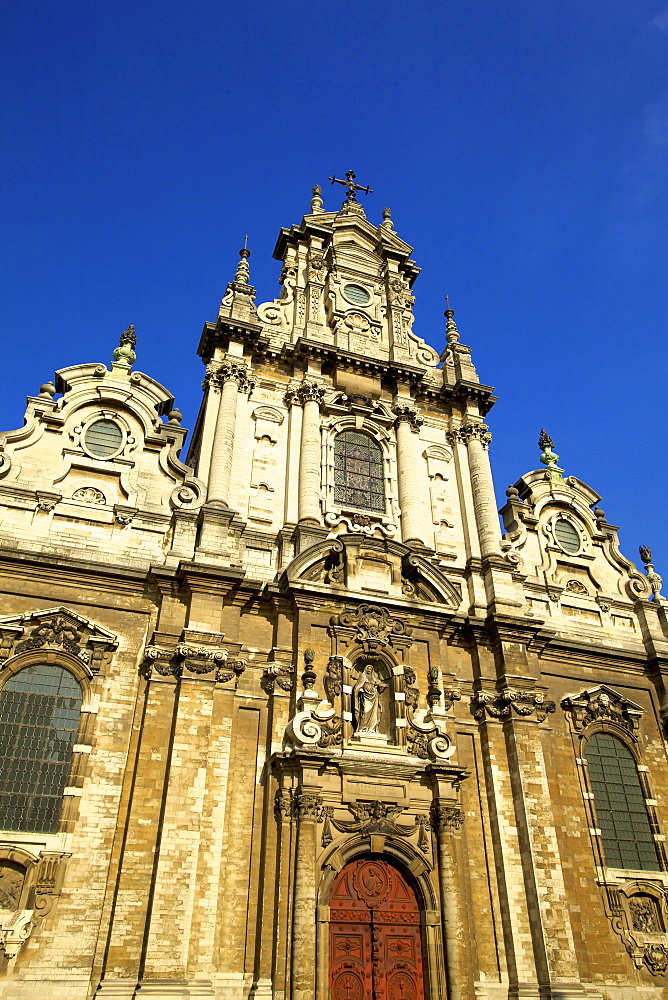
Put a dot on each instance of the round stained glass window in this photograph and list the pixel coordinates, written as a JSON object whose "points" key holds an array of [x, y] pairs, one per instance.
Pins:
{"points": [[357, 295], [103, 438], [566, 535]]}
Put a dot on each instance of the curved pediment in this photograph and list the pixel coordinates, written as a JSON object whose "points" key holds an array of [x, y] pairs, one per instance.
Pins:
{"points": [[359, 564]]}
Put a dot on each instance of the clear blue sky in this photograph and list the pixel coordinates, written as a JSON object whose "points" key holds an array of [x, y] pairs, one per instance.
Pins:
{"points": [[522, 146]]}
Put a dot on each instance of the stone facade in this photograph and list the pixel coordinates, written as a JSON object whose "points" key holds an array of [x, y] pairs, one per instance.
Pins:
{"points": [[307, 671]]}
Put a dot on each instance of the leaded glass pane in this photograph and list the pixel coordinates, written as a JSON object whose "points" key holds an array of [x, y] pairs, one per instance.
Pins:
{"points": [[567, 535], [39, 718], [103, 438], [620, 805], [358, 472]]}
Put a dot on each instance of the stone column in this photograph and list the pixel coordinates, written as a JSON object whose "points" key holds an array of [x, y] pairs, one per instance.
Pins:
{"points": [[407, 424], [230, 380], [446, 820], [477, 438], [307, 806], [310, 396]]}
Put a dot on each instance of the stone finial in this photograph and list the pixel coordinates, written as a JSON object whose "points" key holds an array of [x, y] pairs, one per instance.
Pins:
{"points": [[451, 331], [309, 675], [242, 274], [124, 355], [239, 298], [549, 458], [316, 200], [387, 220], [653, 578]]}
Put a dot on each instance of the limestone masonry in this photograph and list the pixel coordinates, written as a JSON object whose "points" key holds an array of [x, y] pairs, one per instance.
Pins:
{"points": [[289, 717]]}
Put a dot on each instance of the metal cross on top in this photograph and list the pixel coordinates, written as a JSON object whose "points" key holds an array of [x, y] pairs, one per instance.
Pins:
{"points": [[349, 183]]}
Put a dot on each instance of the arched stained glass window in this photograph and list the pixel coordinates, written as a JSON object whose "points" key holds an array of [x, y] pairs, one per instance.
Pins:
{"points": [[39, 718], [620, 805], [358, 472]]}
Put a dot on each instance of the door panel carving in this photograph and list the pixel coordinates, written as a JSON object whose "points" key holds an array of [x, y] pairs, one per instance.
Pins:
{"points": [[375, 948]]}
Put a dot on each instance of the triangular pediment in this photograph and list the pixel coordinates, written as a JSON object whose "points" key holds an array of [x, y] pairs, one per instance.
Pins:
{"points": [[55, 628], [602, 704]]}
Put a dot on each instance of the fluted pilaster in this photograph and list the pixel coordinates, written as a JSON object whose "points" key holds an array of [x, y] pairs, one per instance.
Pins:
{"points": [[407, 425], [477, 438], [229, 380], [309, 395]]}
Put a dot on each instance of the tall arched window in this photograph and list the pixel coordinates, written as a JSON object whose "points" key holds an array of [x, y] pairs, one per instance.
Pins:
{"points": [[620, 805], [358, 472], [39, 718]]}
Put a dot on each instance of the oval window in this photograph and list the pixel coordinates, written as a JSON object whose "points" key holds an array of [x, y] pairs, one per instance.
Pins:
{"points": [[357, 295], [103, 438], [566, 535]]}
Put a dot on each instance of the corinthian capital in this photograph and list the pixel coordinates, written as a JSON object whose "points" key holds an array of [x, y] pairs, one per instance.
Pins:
{"points": [[307, 806], [471, 432], [446, 818], [217, 376], [305, 392], [404, 411]]}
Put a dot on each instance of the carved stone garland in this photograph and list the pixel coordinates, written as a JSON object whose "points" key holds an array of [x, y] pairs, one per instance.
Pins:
{"points": [[504, 704]]}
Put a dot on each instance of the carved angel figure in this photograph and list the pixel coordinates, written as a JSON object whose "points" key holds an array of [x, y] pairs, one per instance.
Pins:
{"points": [[366, 698]]}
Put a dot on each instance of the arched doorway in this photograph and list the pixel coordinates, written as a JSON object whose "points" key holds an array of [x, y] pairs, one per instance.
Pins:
{"points": [[375, 947]]}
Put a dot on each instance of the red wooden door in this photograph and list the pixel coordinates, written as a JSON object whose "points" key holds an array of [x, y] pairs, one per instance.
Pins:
{"points": [[375, 950]]}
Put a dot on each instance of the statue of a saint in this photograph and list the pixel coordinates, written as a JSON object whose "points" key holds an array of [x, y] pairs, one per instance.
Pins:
{"points": [[366, 698]]}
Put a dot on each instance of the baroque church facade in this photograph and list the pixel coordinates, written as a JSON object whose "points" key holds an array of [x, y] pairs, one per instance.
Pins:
{"points": [[291, 717]]}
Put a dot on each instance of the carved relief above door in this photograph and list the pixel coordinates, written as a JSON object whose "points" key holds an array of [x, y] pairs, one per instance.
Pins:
{"points": [[375, 947]]}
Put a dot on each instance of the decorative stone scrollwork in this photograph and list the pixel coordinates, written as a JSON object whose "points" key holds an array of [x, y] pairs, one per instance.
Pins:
{"points": [[28, 892], [354, 322], [644, 914], [450, 697], [88, 494], [56, 628], [47, 501], [373, 625], [14, 931], [446, 818], [189, 496], [305, 392], [313, 729], [637, 912], [332, 732], [54, 631], [198, 660], [281, 675], [375, 817], [656, 958], [508, 702], [359, 524], [427, 742], [602, 703]]}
